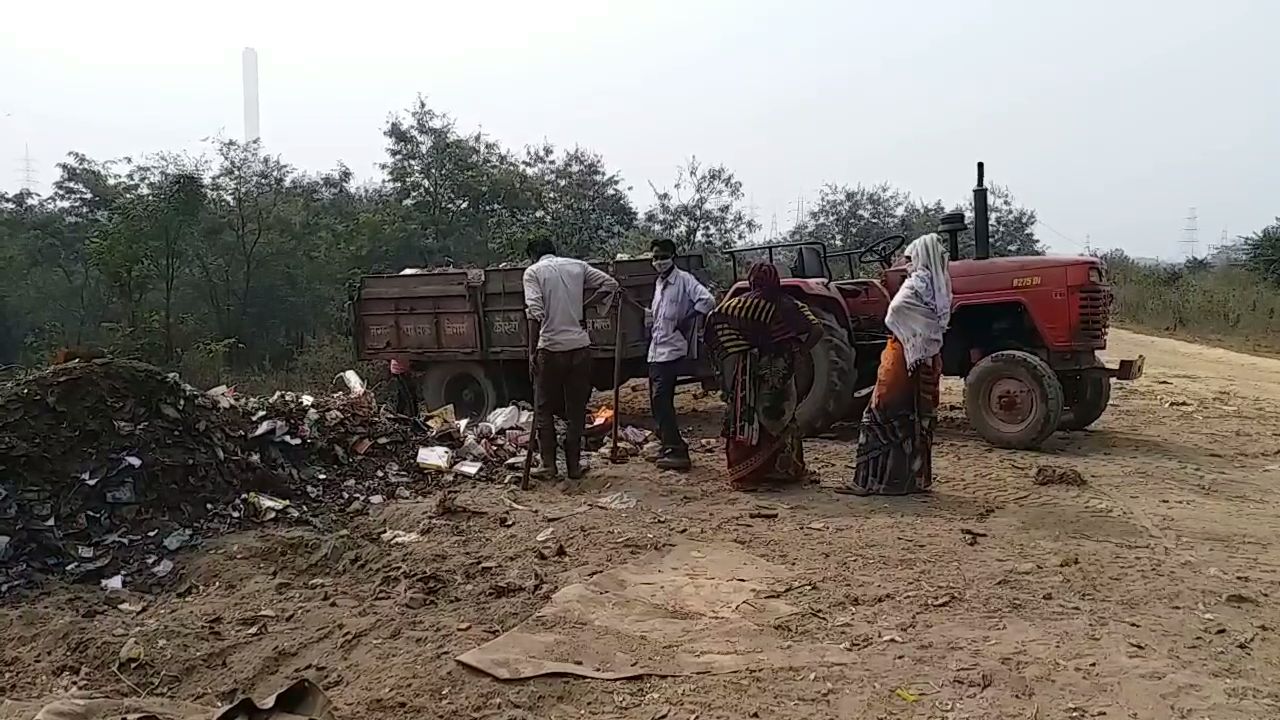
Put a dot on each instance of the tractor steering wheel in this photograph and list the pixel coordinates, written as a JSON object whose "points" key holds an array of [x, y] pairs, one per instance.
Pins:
{"points": [[883, 250]]}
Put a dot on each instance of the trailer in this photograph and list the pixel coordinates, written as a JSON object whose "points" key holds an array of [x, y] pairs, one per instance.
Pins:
{"points": [[463, 331]]}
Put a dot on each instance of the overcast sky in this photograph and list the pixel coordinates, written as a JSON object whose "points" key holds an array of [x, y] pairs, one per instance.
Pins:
{"points": [[1109, 118]]}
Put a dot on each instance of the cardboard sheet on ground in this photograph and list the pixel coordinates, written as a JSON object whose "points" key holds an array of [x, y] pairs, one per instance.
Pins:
{"points": [[690, 609], [302, 700]]}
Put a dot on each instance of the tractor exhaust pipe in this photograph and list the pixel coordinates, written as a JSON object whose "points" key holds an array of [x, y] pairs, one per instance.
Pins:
{"points": [[981, 228]]}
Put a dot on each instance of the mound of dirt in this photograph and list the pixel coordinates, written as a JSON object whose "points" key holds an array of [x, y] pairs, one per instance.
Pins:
{"points": [[107, 465]]}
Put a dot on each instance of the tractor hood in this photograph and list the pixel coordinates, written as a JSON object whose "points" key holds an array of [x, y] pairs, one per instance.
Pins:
{"points": [[999, 265]]}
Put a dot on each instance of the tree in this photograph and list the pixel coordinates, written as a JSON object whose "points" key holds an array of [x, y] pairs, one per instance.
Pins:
{"points": [[241, 232], [576, 201], [702, 211], [1261, 251], [849, 218], [450, 187]]}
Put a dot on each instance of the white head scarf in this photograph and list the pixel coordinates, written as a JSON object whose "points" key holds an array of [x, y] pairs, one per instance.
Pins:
{"points": [[920, 312]]}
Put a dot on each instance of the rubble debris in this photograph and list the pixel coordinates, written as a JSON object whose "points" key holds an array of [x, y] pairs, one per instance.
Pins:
{"points": [[1052, 475]]}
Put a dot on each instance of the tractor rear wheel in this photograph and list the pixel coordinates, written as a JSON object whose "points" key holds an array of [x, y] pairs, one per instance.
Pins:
{"points": [[1013, 399], [464, 385], [1087, 397], [825, 379]]}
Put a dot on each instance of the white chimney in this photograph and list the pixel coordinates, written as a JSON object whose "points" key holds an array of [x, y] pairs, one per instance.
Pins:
{"points": [[250, 61]]}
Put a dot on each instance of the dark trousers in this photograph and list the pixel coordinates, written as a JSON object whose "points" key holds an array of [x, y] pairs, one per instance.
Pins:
{"points": [[662, 400], [406, 396], [561, 386]]}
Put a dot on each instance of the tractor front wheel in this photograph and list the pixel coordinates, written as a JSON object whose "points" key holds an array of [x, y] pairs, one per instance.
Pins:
{"points": [[1013, 399], [1087, 397]]}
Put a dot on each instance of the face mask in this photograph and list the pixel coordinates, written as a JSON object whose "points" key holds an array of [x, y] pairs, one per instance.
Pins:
{"points": [[663, 265]]}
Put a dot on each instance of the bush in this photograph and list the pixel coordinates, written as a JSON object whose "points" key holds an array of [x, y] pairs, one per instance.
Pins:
{"points": [[1196, 300]]}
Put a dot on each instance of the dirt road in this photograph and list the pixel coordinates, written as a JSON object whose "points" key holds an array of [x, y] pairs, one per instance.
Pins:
{"points": [[1150, 592]]}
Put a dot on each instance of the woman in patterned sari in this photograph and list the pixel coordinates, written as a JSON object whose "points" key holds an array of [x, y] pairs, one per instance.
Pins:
{"points": [[895, 446], [754, 339]]}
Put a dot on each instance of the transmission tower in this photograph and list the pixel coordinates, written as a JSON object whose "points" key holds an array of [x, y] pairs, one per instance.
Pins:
{"points": [[773, 228], [27, 169], [1191, 235]]}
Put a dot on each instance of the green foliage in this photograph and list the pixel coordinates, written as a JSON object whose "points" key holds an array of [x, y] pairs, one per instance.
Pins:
{"points": [[1261, 251], [1195, 299], [702, 211], [851, 217]]}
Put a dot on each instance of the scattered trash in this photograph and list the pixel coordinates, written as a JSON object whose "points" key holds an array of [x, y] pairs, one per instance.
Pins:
{"points": [[1068, 561], [115, 582], [435, 458], [354, 383], [267, 506], [621, 500], [634, 435], [376, 499], [1050, 475], [399, 537], [468, 468], [177, 539], [817, 525], [763, 514], [462, 626], [162, 568], [121, 495], [504, 418], [892, 639], [441, 418], [906, 695], [1025, 568], [545, 535]]}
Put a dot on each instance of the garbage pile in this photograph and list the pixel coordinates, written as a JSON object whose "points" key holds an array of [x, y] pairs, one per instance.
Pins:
{"points": [[110, 467], [107, 466]]}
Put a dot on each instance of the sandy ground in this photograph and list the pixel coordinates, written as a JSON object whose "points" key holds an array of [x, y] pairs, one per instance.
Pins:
{"points": [[1151, 592]]}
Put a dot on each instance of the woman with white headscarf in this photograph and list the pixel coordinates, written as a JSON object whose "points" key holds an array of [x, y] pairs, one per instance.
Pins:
{"points": [[895, 447]]}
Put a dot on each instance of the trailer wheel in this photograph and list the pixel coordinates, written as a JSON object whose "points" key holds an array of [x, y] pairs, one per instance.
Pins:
{"points": [[825, 379], [466, 386], [1013, 399], [1087, 397]]}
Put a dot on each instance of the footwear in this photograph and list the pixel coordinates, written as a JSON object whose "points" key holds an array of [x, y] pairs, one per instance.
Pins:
{"points": [[544, 473], [674, 461], [853, 490]]}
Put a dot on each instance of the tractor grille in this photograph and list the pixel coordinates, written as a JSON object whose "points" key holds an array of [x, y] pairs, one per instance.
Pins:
{"points": [[1094, 304]]}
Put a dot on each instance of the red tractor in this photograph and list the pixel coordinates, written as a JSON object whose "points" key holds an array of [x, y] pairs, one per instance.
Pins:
{"points": [[1024, 333]]}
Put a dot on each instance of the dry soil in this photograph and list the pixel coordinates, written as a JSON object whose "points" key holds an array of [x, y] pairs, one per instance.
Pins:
{"points": [[1148, 592]]}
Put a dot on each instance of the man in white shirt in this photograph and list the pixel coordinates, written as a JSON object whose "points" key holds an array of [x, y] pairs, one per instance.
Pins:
{"points": [[678, 300], [553, 297]]}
